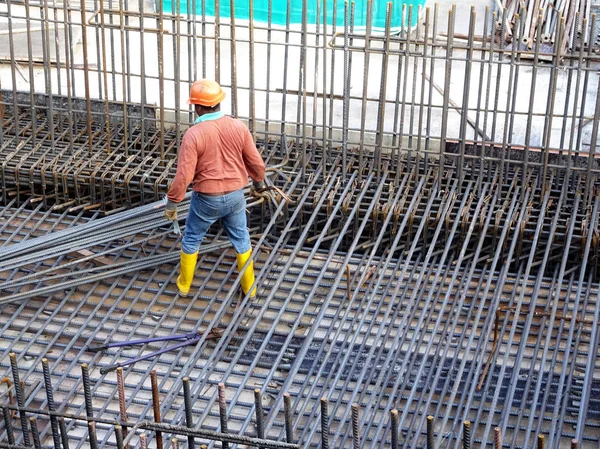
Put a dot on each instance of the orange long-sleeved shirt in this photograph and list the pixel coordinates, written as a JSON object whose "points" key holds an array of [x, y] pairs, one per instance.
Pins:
{"points": [[216, 156]]}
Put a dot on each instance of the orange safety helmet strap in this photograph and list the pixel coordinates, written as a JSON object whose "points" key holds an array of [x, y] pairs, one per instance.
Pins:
{"points": [[206, 93]]}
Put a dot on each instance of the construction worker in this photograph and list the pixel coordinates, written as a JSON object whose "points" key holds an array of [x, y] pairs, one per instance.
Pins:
{"points": [[216, 156]]}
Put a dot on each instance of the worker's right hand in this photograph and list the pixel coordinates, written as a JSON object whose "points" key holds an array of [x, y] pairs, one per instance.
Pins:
{"points": [[258, 187], [171, 211]]}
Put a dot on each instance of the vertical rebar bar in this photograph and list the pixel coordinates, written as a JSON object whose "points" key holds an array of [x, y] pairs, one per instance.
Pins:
{"points": [[68, 68], [288, 14], [48, 72], [268, 63], [251, 46], [497, 438], [324, 423], [108, 131], [364, 102], [20, 397], [465, 100], [547, 137], [315, 93], [217, 40], [13, 73], [446, 94], [382, 92], [495, 107], [332, 83], [490, 59], [35, 433], [177, 70], [223, 412], [355, 430], [187, 402], [124, 80], [143, 441], [260, 414], [467, 435], [203, 17], [401, 84], [31, 80], [86, 76], [302, 79], [122, 399], [430, 444], [287, 411], [540, 441], [346, 94], [423, 90], [411, 118], [394, 423], [324, 67], [233, 53], [430, 77], [161, 78], [192, 11], [92, 434], [156, 406], [10, 436], [574, 443], [50, 399], [119, 436], [531, 108], [113, 66], [142, 82], [87, 392], [64, 436]]}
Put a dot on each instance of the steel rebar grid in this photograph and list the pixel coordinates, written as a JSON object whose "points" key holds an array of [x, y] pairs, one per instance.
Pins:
{"points": [[450, 274]]}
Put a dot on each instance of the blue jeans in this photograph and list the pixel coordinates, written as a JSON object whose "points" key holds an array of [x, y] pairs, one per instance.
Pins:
{"points": [[206, 209]]}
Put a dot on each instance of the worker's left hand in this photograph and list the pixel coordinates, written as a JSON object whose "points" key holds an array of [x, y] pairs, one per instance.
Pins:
{"points": [[171, 211]]}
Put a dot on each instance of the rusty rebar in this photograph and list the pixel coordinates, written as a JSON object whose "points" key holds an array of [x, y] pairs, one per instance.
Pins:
{"points": [[156, 406], [223, 411]]}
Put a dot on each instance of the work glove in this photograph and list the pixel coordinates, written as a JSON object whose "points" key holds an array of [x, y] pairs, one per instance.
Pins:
{"points": [[258, 187], [171, 211]]}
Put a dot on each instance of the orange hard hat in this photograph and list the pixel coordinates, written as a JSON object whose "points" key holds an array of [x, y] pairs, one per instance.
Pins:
{"points": [[206, 93]]}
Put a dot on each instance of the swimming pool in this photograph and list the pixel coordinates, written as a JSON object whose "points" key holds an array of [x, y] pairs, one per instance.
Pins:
{"points": [[279, 11]]}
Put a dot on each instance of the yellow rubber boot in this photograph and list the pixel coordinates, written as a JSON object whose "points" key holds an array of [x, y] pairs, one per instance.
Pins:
{"points": [[248, 276], [186, 272]]}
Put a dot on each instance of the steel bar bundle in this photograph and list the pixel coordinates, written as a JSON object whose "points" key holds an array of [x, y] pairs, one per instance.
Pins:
{"points": [[541, 20]]}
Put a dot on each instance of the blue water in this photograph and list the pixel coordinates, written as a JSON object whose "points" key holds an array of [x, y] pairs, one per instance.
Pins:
{"points": [[280, 11]]}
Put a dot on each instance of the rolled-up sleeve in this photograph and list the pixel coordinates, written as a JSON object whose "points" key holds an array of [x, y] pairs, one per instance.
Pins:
{"points": [[252, 159], [186, 168]]}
